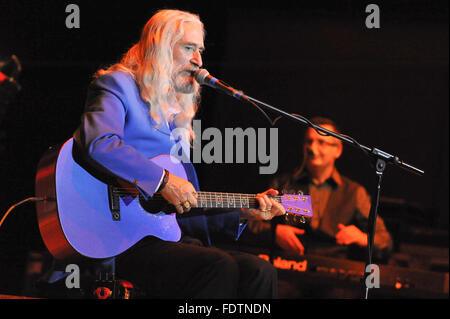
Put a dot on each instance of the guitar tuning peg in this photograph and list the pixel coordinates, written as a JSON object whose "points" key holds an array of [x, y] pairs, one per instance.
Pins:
{"points": [[286, 217], [302, 220], [299, 192]]}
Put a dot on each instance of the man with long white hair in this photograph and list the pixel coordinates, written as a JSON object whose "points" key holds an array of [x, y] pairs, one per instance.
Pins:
{"points": [[132, 108]]}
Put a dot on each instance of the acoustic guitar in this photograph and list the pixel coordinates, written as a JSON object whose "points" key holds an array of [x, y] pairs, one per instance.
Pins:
{"points": [[83, 215]]}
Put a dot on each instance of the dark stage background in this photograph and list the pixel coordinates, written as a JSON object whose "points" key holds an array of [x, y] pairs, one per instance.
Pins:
{"points": [[386, 87]]}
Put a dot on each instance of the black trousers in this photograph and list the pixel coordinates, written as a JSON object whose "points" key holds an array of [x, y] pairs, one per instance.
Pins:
{"points": [[187, 269]]}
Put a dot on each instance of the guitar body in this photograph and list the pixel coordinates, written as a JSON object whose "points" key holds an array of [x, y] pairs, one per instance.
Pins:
{"points": [[76, 219]]}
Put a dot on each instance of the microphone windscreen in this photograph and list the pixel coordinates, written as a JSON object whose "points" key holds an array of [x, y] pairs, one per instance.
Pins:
{"points": [[200, 76]]}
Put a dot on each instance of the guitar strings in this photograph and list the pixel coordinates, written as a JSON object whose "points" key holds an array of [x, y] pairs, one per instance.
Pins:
{"points": [[208, 199], [212, 199]]}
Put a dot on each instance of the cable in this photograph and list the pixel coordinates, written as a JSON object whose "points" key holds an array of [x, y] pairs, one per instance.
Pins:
{"points": [[272, 123], [345, 137], [30, 199]]}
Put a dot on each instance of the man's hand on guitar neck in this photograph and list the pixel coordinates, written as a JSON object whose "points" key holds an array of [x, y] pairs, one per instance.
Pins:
{"points": [[268, 207], [180, 193]]}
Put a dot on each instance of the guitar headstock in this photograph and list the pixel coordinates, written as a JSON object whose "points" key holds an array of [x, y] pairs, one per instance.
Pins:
{"points": [[298, 206]]}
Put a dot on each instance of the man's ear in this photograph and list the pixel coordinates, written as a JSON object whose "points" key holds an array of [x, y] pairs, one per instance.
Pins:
{"points": [[339, 150]]}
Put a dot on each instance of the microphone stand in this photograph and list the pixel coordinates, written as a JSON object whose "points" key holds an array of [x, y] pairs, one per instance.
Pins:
{"points": [[379, 157]]}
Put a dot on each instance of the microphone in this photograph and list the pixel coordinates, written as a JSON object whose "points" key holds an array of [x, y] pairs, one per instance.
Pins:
{"points": [[203, 77], [9, 71]]}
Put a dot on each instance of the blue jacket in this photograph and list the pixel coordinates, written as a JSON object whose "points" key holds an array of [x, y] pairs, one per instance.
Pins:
{"points": [[118, 133]]}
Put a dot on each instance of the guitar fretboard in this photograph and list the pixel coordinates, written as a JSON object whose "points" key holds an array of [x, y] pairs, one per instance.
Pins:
{"points": [[228, 200]]}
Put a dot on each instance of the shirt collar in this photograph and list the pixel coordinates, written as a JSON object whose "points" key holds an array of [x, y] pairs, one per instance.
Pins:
{"points": [[335, 180], [336, 177]]}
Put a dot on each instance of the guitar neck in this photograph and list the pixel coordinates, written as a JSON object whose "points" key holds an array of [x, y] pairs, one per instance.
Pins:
{"points": [[228, 200]]}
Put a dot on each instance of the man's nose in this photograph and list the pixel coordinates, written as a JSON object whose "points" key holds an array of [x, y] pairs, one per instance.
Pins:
{"points": [[309, 151], [197, 59], [312, 149]]}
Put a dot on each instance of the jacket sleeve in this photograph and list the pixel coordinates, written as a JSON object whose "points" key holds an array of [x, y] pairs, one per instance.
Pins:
{"points": [[226, 222], [101, 135]]}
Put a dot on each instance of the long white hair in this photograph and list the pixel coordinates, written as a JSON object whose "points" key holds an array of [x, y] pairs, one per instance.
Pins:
{"points": [[150, 62]]}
